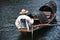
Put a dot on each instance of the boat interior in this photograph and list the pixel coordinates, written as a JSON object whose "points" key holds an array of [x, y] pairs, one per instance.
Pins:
{"points": [[47, 11]]}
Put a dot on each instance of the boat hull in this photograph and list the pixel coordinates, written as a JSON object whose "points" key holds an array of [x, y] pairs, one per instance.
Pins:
{"points": [[41, 18]]}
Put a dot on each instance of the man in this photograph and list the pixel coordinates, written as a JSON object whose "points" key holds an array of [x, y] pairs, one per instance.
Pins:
{"points": [[24, 21]]}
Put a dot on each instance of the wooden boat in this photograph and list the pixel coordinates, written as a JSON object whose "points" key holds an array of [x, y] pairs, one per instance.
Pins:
{"points": [[45, 15]]}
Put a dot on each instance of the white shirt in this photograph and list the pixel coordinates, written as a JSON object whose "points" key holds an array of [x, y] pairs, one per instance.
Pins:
{"points": [[18, 24]]}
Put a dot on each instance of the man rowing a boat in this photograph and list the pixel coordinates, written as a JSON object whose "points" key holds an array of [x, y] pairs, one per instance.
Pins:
{"points": [[24, 21]]}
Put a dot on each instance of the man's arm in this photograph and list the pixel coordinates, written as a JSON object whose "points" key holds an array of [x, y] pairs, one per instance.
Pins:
{"points": [[17, 23]]}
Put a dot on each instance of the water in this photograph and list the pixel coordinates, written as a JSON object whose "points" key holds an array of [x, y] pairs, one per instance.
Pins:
{"points": [[10, 11]]}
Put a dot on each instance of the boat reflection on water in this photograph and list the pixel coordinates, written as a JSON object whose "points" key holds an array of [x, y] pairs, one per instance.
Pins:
{"points": [[25, 36]]}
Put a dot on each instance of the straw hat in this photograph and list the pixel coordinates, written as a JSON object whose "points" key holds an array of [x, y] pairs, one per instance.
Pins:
{"points": [[23, 11]]}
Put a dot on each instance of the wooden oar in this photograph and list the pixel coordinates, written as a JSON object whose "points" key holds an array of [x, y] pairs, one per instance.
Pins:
{"points": [[46, 25]]}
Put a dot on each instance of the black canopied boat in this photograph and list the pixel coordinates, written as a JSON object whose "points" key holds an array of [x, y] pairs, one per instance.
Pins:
{"points": [[45, 15]]}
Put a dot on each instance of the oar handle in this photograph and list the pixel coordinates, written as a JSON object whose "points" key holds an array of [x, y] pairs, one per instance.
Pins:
{"points": [[49, 24], [39, 25]]}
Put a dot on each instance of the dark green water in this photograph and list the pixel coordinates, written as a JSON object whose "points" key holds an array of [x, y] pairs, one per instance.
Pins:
{"points": [[10, 11]]}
